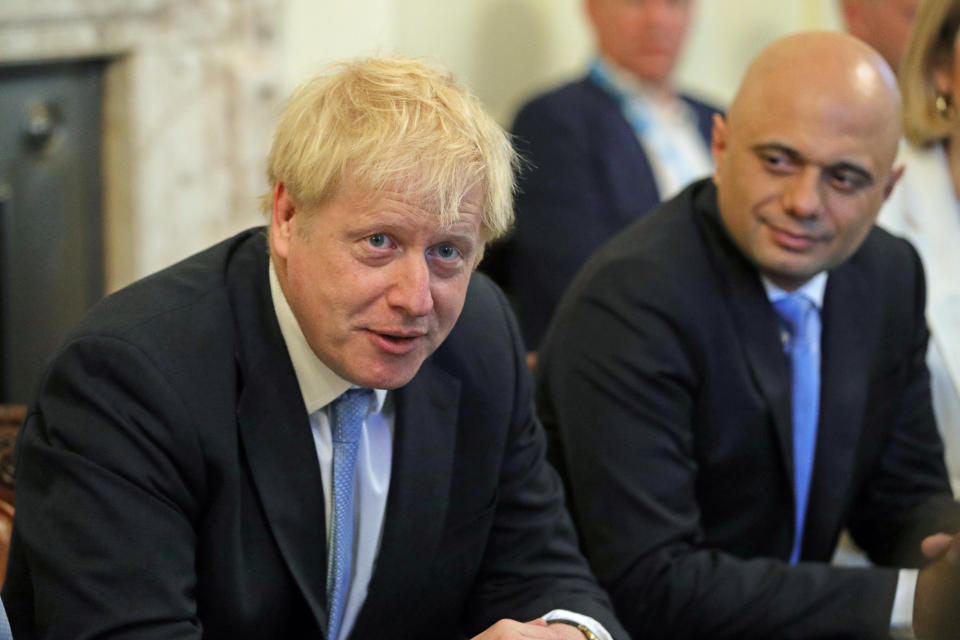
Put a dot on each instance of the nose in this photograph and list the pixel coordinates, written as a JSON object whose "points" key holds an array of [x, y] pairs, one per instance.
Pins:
{"points": [[410, 291], [801, 197]]}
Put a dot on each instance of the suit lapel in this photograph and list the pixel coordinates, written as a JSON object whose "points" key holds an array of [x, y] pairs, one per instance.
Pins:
{"points": [[845, 362], [631, 176], [756, 325], [423, 453], [275, 431]]}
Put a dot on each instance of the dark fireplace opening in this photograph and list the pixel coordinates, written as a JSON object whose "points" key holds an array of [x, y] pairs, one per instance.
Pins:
{"points": [[51, 222]]}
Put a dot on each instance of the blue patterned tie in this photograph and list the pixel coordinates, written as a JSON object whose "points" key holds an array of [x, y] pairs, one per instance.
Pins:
{"points": [[346, 419], [5, 633], [802, 321]]}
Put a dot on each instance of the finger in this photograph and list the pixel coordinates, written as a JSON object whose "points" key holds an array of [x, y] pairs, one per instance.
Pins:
{"points": [[936, 545], [953, 553]]}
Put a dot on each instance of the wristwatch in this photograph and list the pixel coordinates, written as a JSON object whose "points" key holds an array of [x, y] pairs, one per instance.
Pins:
{"points": [[585, 630]]}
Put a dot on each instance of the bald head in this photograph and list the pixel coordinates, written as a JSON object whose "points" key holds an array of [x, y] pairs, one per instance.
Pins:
{"points": [[832, 72], [804, 160]]}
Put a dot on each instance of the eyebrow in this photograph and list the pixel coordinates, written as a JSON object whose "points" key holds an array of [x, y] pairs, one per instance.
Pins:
{"points": [[796, 156]]}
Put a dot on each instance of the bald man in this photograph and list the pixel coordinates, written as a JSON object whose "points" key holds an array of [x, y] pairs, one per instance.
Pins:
{"points": [[883, 24], [714, 442]]}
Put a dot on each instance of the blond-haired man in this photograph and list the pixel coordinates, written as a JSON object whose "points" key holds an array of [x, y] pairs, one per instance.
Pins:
{"points": [[285, 436]]}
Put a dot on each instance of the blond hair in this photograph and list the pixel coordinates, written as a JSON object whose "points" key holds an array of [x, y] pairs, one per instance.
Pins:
{"points": [[930, 48], [392, 123]]}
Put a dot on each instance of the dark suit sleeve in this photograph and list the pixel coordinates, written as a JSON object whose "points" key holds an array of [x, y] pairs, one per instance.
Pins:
{"points": [[619, 384], [532, 563], [907, 495], [106, 513]]}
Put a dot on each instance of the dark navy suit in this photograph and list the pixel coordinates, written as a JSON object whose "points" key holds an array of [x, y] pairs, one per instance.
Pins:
{"points": [[666, 387], [168, 485]]}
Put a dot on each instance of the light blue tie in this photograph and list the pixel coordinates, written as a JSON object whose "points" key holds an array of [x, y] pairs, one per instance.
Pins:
{"points": [[5, 633], [803, 322], [346, 419]]}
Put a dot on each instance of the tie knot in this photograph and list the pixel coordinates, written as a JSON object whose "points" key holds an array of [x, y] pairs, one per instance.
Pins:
{"points": [[347, 413], [794, 310]]}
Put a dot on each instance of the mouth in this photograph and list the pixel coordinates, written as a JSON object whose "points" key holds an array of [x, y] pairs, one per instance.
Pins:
{"points": [[397, 342], [791, 240]]}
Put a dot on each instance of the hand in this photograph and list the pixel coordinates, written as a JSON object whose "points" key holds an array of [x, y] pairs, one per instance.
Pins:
{"points": [[936, 605], [513, 630]]}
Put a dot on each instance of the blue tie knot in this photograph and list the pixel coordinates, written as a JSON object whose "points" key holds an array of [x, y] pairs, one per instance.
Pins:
{"points": [[794, 310], [347, 414]]}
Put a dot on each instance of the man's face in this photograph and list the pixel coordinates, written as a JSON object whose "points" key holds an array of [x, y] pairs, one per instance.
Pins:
{"points": [[375, 282], [800, 182], [642, 36], [884, 25]]}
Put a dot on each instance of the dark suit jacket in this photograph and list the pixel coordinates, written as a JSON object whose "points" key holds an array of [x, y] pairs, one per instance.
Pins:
{"points": [[585, 178], [666, 385], [168, 485]]}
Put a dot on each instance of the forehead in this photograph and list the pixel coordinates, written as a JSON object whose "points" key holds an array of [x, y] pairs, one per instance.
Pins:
{"points": [[401, 207], [824, 127]]}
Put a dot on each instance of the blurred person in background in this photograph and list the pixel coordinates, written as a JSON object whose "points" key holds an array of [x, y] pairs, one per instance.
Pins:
{"points": [[925, 206], [599, 153], [882, 24]]}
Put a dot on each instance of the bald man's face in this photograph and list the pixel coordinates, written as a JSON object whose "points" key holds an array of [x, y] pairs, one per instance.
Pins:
{"points": [[800, 178]]}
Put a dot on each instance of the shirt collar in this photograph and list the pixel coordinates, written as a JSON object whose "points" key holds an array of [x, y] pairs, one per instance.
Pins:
{"points": [[632, 87], [319, 385], [813, 289]]}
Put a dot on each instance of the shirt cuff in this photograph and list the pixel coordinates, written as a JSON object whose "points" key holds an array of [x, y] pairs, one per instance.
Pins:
{"points": [[901, 618], [579, 618]]}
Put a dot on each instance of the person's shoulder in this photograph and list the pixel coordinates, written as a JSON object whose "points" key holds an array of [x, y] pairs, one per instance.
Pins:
{"points": [[486, 316], [569, 100], [889, 265], [882, 250], [484, 350], [661, 257], [172, 293]]}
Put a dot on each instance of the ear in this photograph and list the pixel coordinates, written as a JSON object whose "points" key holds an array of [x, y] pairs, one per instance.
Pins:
{"points": [[281, 220], [718, 144], [942, 80], [892, 180]]}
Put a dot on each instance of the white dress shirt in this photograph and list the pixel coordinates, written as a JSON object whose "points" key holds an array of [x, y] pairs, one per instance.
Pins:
{"points": [[320, 386], [901, 617], [925, 209]]}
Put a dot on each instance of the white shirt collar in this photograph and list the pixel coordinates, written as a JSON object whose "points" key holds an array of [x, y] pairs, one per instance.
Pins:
{"points": [[319, 385], [814, 289], [667, 103]]}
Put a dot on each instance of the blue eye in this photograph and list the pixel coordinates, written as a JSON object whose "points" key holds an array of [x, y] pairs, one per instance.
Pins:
{"points": [[377, 240], [447, 252]]}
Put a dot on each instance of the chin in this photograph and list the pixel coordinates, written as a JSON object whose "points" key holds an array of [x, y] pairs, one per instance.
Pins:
{"points": [[387, 375]]}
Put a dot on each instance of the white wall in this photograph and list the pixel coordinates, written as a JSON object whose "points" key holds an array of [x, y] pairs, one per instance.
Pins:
{"points": [[505, 50]]}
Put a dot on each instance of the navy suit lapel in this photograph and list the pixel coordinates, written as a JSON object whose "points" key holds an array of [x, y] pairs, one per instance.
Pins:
{"points": [[845, 363], [275, 431], [630, 174], [423, 454], [756, 324]]}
